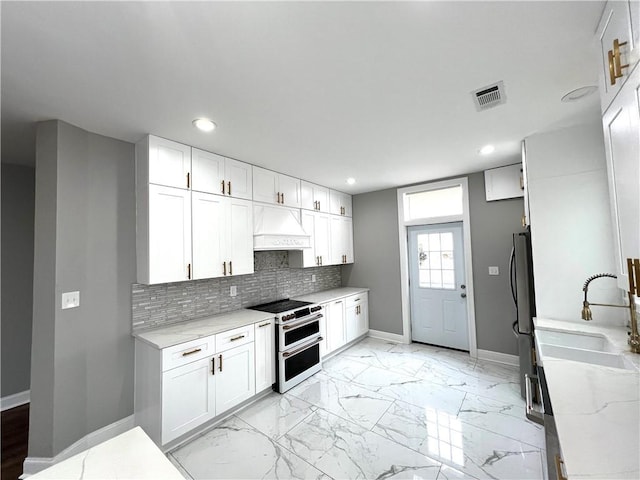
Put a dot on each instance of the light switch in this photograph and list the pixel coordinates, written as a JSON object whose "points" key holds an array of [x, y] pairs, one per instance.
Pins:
{"points": [[233, 291], [70, 300], [494, 271], [313, 278]]}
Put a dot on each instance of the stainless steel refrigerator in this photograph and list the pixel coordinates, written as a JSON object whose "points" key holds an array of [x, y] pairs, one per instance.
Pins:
{"points": [[522, 290]]}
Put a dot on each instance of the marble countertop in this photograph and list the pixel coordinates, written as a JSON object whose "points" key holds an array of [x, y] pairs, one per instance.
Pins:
{"points": [[174, 334], [596, 409], [330, 295], [130, 455]]}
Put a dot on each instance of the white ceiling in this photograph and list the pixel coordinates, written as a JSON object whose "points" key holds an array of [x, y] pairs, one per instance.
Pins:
{"points": [[322, 91]]}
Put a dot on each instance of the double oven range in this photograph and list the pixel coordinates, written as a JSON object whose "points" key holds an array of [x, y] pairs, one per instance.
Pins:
{"points": [[298, 340]]}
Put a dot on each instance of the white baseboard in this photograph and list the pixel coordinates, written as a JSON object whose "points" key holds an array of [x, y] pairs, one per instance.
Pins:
{"points": [[390, 337], [35, 464], [15, 400], [498, 357]]}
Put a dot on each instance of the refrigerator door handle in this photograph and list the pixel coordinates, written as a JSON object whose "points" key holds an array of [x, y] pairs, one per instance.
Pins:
{"points": [[512, 263], [514, 327]]}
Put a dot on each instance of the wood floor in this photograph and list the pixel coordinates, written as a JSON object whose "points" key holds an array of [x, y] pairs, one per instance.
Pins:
{"points": [[15, 434]]}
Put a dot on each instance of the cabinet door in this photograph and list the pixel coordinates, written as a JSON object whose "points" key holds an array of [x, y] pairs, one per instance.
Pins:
{"points": [[323, 329], [265, 185], [240, 231], [347, 231], [336, 334], [347, 203], [363, 316], [619, 22], [621, 125], [239, 178], [306, 196], [169, 234], [265, 355], [235, 377], [351, 322], [503, 182], [322, 237], [340, 203], [309, 254], [336, 246], [169, 163], [188, 398], [207, 172], [209, 237], [289, 188]]}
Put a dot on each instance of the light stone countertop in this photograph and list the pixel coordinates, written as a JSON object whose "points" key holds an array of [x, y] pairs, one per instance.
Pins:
{"points": [[131, 455], [596, 409], [176, 333], [330, 295]]}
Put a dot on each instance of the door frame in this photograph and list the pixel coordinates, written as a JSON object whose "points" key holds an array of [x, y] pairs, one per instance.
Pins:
{"points": [[404, 253]]}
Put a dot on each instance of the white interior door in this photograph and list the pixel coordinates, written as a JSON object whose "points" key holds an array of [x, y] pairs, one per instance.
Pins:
{"points": [[437, 285]]}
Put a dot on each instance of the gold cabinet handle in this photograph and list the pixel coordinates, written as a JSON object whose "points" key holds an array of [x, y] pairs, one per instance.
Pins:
{"points": [[229, 187], [224, 268], [521, 182], [320, 260], [282, 197], [191, 352], [266, 324], [222, 183], [235, 339], [188, 180], [612, 68], [278, 194], [230, 267], [524, 220], [559, 464], [616, 57], [213, 365], [220, 357], [189, 271]]}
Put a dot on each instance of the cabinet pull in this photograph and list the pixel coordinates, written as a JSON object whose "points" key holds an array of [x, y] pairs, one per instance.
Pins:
{"points": [[224, 268], [524, 220], [319, 207], [189, 271], [188, 180], [616, 58], [234, 339], [264, 324], [282, 198], [357, 300], [222, 183], [213, 365], [229, 187], [521, 182], [220, 357], [612, 68], [191, 352], [320, 260], [559, 464], [230, 267]]}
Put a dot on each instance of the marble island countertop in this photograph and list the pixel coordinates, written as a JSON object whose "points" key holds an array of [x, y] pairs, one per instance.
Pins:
{"points": [[596, 408]]}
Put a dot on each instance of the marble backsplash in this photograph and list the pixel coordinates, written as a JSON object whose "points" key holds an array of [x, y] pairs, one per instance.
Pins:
{"points": [[163, 304]]}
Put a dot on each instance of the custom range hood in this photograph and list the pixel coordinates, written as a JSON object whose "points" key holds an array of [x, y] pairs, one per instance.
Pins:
{"points": [[278, 228]]}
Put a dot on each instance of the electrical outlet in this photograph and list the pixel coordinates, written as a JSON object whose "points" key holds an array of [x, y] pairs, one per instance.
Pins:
{"points": [[233, 291], [70, 300], [494, 271], [313, 278]]}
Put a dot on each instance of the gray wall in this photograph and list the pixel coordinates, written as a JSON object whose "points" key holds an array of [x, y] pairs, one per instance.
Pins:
{"points": [[82, 375], [18, 196], [378, 261], [377, 258]]}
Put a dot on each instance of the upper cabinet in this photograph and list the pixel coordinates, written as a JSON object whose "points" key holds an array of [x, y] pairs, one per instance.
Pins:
{"points": [[315, 197], [212, 173], [168, 163], [276, 188], [340, 203], [504, 182], [618, 37]]}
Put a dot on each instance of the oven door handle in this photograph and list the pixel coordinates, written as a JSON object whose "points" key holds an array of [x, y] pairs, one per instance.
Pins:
{"points": [[530, 413], [303, 323], [302, 349]]}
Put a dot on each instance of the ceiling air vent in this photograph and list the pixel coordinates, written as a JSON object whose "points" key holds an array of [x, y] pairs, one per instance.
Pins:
{"points": [[489, 96]]}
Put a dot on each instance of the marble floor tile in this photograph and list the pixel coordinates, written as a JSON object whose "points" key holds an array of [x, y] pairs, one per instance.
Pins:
{"points": [[276, 414], [469, 449], [448, 473], [436, 354], [343, 368], [499, 370], [502, 418], [345, 450], [413, 390], [344, 399], [235, 450], [400, 362]]}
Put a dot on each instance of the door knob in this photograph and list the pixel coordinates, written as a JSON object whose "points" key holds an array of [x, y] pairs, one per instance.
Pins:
{"points": [[463, 295], [463, 286]]}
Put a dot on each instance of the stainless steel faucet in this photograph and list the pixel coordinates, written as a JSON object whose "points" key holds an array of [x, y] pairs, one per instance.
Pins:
{"points": [[634, 336]]}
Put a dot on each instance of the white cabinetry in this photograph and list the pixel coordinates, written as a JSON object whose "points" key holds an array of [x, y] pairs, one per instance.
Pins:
{"points": [[621, 125], [340, 203], [315, 197], [317, 225], [235, 377], [618, 36], [335, 325], [341, 248], [213, 173], [504, 182], [168, 163], [357, 317], [345, 320], [265, 355], [273, 187]]}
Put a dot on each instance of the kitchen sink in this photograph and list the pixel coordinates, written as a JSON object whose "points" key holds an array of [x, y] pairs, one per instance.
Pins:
{"points": [[606, 359], [574, 340]]}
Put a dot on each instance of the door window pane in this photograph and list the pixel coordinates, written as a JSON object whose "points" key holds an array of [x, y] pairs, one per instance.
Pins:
{"points": [[435, 264]]}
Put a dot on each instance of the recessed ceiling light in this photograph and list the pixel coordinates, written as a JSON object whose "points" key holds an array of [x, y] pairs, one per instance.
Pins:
{"points": [[204, 124], [487, 149], [579, 93], [351, 180]]}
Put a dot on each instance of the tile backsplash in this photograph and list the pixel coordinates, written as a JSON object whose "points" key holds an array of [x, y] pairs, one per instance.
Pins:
{"points": [[163, 304]]}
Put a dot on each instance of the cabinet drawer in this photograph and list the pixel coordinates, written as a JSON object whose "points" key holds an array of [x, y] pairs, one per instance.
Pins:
{"points": [[356, 299], [233, 338], [187, 352]]}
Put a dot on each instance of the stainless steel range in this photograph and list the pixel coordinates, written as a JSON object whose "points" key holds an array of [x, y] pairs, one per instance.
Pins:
{"points": [[297, 340]]}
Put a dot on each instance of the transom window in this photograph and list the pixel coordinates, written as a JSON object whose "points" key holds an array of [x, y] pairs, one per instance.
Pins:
{"points": [[443, 202]]}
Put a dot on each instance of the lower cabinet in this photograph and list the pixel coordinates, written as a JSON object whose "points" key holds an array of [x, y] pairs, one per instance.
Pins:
{"points": [[234, 376], [346, 319], [265, 355], [335, 325], [357, 318]]}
